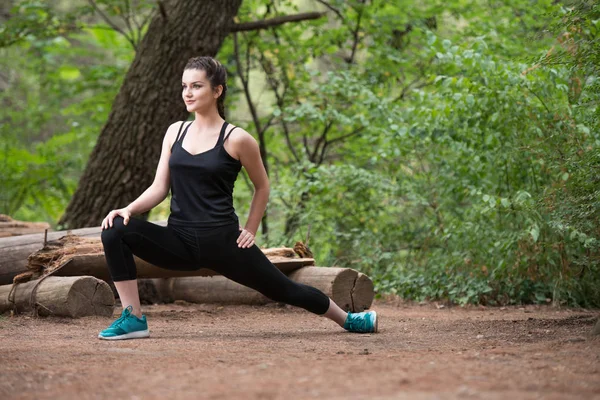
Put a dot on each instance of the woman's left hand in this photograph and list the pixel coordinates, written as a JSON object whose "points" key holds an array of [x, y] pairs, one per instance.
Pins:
{"points": [[246, 239]]}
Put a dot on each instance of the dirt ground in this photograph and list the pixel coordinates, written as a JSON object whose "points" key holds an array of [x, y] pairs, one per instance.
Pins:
{"points": [[199, 351]]}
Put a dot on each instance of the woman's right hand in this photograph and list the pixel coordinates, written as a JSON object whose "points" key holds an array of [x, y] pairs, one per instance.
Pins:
{"points": [[107, 222]]}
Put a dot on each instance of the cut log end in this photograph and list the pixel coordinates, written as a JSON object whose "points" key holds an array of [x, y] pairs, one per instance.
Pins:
{"points": [[596, 330], [90, 296], [363, 293]]}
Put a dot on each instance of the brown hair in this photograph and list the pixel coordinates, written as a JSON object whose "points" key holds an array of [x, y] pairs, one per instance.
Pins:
{"points": [[216, 74]]}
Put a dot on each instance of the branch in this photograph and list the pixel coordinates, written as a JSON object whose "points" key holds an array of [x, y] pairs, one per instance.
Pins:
{"points": [[354, 132], [406, 88], [147, 19], [268, 124], [245, 84], [305, 142], [126, 16], [112, 24], [332, 8], [337, 139], [350, 60], [276, 21], [268, 70], [539, 98], [422, 75], [322, 139]]}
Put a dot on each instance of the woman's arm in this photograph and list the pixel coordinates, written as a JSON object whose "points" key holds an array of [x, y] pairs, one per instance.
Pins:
{"points": [[157, 191], [245, 147]]}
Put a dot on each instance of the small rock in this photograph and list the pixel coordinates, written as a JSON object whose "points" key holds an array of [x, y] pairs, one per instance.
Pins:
{"points": [[479, 336], [576, 339]]}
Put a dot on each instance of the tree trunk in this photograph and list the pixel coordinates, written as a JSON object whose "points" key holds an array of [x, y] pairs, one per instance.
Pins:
{"points": [[124, 160], [73, 297]]}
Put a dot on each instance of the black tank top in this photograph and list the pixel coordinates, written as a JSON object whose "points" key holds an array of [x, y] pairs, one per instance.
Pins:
{"points": [[202, 184]]}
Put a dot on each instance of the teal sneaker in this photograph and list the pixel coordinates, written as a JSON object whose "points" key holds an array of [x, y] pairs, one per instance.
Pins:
{"points": [[128, 326], [363, 322]]}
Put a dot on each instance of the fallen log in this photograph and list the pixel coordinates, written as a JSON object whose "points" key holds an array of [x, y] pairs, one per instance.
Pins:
{"points": [[596, 329], [60, 296], [75, 256], [12, 227], [349, 289], [15, 250]]}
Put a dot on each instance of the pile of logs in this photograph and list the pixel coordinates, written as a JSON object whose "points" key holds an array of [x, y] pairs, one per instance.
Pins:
{"points": [[65, 273]]}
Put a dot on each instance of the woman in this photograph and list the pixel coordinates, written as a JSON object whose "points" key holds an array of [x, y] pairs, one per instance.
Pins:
{"points": [[199, 163]]}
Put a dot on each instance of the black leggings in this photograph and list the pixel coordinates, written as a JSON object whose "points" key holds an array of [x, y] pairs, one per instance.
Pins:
{"points": [[189, 249]]}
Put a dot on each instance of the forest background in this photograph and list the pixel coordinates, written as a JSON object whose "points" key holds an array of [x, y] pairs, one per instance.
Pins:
{"points": [[448, 149]]}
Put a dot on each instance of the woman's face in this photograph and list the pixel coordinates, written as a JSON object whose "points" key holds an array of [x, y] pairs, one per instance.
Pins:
{"points": [[197, 93]]}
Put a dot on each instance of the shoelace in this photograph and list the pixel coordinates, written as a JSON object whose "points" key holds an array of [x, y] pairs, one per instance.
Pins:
{"points": [[358, 322], [122, 318]]}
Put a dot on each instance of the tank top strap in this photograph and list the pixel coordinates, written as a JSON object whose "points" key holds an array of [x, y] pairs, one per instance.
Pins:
{"points": [[229, 134], [221, 134], [180, 138], [179, 132]]}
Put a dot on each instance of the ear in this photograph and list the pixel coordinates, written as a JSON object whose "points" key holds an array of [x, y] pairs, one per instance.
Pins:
{"points": [[218, 91]]}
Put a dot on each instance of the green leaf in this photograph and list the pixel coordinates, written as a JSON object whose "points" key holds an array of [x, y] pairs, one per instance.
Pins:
{"points": [[535, 233], [69, 73]]}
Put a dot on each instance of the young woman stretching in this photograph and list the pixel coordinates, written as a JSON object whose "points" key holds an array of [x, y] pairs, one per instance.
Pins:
{"points": [[199, 163]]}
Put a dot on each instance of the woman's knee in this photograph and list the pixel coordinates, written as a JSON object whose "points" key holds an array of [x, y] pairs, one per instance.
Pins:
{"points": [[114, 232]]}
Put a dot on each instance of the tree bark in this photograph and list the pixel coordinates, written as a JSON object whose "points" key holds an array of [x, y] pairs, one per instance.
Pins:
{"points": [[124, 160], [73, 297]]}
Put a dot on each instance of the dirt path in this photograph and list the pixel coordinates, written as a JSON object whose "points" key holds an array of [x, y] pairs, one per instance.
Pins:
{"points": [[273, 352]]}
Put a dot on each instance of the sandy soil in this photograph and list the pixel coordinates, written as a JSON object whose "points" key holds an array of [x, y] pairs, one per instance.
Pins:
{"points": [[201, 351]]}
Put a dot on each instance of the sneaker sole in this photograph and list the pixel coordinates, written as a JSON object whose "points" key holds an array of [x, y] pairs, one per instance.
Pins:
{"points": [[375, 320], [132, 335]]}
